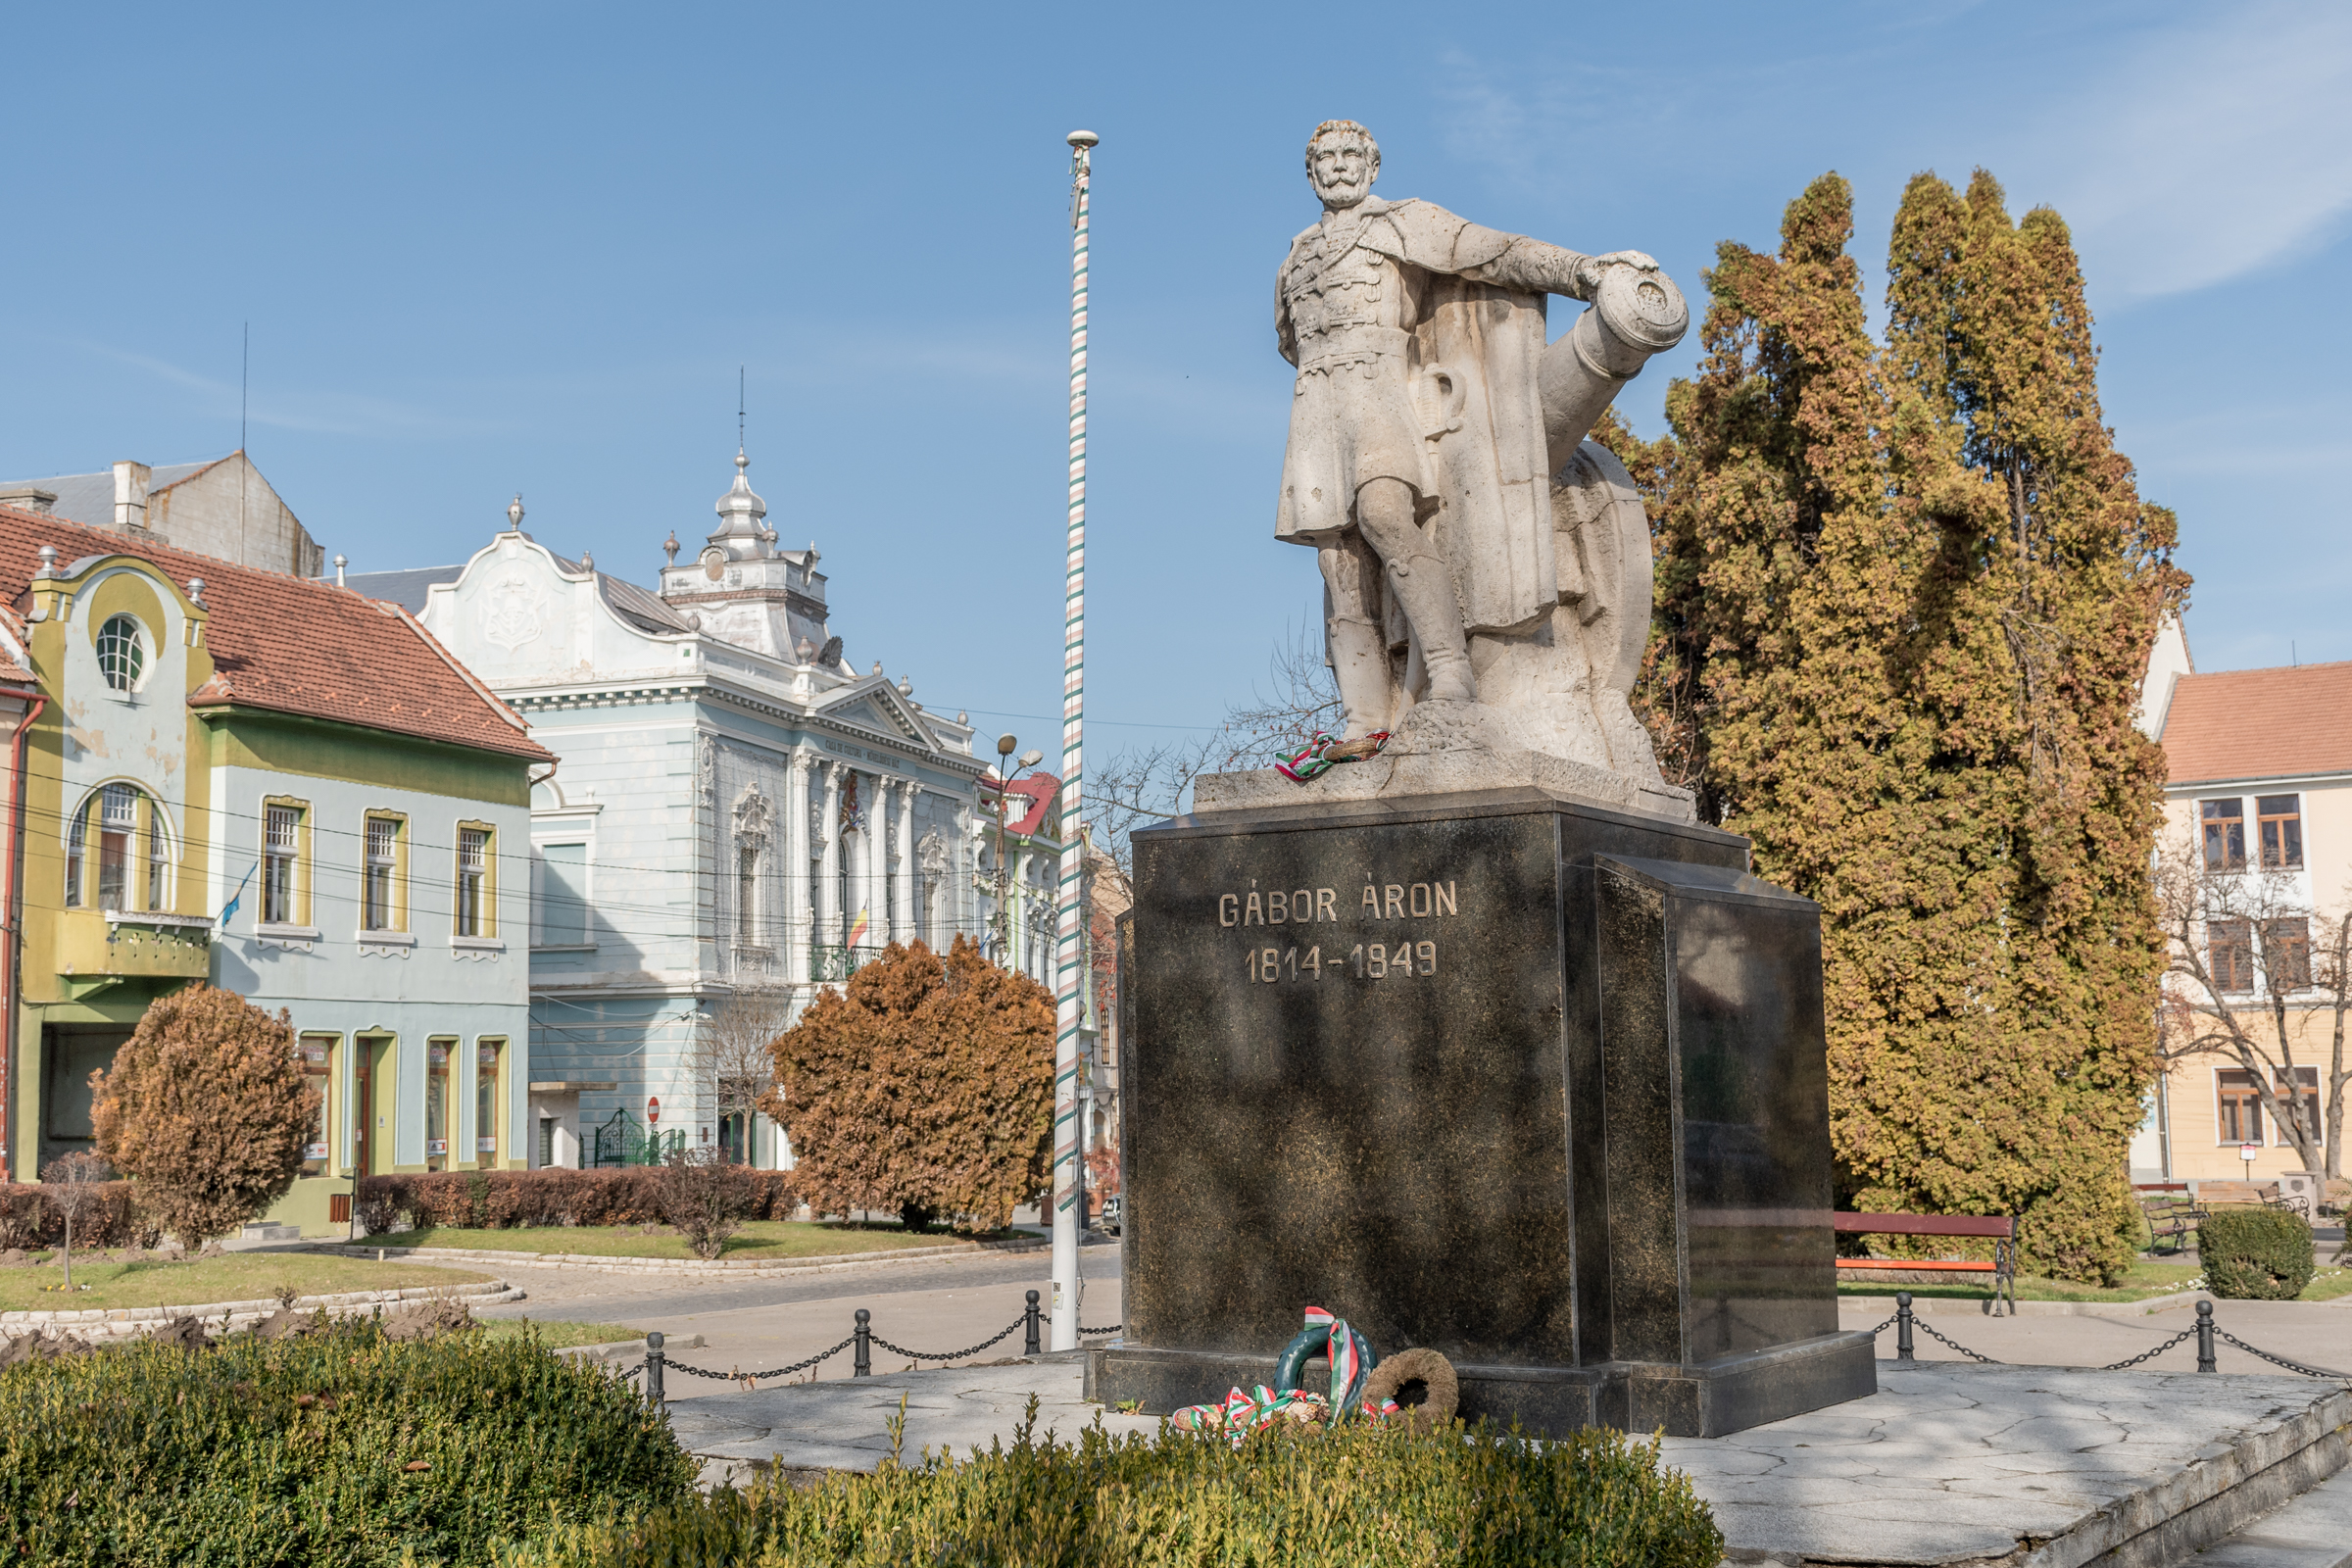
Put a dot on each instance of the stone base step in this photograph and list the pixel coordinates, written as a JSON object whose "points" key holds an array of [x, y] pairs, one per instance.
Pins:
{"points": [[258, 1231], [2313, 1531]]}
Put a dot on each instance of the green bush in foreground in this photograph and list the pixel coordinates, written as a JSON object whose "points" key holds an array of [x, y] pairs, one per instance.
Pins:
{"points": [[333, 1447], [1291, 1498], [2255, 1254]]}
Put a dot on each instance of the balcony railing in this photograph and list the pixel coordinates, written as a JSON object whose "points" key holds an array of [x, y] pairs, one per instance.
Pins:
{"points": [[839, 963]]}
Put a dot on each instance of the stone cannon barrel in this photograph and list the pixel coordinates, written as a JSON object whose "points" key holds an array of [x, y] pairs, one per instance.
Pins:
{"points": [[1634, 314]]}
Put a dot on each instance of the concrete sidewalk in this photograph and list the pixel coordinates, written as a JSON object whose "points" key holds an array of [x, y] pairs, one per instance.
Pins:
{"points": [[2318, 1334]]}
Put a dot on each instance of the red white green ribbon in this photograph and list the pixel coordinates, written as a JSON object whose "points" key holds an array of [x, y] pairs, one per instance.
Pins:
{"points": [[1316, 759], [1242, 1412]]}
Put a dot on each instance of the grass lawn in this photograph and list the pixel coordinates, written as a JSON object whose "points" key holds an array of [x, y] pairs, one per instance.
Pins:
{"points": [[769, 1237], [234, 1277], [2146, 1279], [557, 1334]]}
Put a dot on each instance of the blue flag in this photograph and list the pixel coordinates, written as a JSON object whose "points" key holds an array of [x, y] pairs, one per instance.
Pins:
{"points": [[239, 897]]}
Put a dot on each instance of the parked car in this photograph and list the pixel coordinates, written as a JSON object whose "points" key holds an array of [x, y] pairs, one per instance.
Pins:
{"points": [[1114, 1211]]}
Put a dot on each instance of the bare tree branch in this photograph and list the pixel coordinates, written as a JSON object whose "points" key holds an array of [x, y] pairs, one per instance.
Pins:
{"points": [[734, 1043]]}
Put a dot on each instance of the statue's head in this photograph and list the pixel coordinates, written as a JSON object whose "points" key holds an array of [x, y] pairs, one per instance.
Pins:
{"points": [[1343, 160]]}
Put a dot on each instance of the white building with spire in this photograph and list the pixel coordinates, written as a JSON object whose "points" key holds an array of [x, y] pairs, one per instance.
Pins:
{"points": [[736, 809]]}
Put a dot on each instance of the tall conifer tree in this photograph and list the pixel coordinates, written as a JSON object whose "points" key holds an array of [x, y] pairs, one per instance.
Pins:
{"points": [[1924, 729]]}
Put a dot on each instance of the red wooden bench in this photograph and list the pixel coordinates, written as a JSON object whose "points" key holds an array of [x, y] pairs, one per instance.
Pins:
{"points": [[2001, 1229]]}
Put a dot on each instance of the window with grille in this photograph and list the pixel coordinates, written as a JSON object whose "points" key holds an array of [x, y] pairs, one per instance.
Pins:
{"points": [[121, 652], [473, 875], [2229, 946], [2224, 823], [2286, 954], [118, 824], [281, 845], [159, 862], [2241, 1105], [2278, 825], [378, 903]]}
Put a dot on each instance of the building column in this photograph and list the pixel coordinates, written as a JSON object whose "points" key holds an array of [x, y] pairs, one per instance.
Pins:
{"points": [[904, 918], [829, 868], [877, 861], [796, 872]]}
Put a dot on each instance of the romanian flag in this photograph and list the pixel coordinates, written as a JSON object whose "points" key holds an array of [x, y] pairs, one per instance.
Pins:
{"points": [[858, 930]]}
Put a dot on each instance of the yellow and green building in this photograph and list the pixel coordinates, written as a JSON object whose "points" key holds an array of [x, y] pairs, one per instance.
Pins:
{"points": [[286, 789]]}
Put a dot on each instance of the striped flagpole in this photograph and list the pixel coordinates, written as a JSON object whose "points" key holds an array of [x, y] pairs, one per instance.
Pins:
{"points": [[1069, 944]]}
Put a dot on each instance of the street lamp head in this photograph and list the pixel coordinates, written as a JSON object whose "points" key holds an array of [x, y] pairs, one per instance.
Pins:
{"points": [[1083, 138], [1032, 756], [1006, 745]]}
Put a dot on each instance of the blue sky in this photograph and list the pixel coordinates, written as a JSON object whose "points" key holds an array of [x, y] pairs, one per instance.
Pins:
{"points": [[485, 249]]}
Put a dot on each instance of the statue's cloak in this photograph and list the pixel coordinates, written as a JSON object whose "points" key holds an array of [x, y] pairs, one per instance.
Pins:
{"points": [[1476, 348]]}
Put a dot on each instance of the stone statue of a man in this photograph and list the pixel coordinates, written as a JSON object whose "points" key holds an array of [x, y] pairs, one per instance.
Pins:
{"points": [[1428, 427]]}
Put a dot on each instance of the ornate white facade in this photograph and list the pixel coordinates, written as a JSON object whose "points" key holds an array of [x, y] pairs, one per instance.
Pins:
{"points": [[736, 806]]}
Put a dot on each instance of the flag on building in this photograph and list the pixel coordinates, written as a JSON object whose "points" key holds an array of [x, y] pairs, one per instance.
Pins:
{"points": [[858, 930]]}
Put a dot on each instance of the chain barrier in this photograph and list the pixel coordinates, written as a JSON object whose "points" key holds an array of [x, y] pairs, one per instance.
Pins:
{"points": [[1110, 1329], [2120, 1366], [2204, 1331], [750, 1378], [953, 1356], [1953, 1345], [2278, 1360]]}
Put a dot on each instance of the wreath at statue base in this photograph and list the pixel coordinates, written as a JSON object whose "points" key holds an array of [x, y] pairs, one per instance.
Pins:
{"points": [[1363, 1386]]}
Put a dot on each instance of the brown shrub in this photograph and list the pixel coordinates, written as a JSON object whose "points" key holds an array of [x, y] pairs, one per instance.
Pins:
{"points": [[924, 1085], [705, 1199], [503, 1199], [208, 1109], [30, 1219]]}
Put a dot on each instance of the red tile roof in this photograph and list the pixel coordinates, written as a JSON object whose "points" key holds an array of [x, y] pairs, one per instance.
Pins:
{"points": [[296, 645], [2260, 723], [1029, 816]]}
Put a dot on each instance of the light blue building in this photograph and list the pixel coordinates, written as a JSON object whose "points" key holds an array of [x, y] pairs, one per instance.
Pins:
{"points": [[735, 808]]}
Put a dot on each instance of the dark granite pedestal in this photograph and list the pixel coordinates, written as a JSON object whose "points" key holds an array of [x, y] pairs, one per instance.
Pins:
{"points": [[1535, 1082]]}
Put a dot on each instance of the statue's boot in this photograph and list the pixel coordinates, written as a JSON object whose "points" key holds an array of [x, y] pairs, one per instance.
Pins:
{"points": [[1424, 586], [1359, 667]]}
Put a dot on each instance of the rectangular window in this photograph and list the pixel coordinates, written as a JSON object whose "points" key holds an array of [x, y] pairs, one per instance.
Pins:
{"points": [[563, 895], [159, 861], [281, 840], [547, 1142], [473, 877], [2230, 946], [2279, 820], [436, 1099], [2224, 823], [2307, 1082], [485, 1102], [2287, 954], [378, 903], [118, 822], [2241, 1105], [318, 1056]]}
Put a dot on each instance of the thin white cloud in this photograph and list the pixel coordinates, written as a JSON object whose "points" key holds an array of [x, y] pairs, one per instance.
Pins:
{"points": [[2208, 152], [315, 412]]}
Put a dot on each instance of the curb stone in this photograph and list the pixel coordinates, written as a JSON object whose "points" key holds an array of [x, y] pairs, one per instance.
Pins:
{"points": [[748, 1268], [121, 1322]]}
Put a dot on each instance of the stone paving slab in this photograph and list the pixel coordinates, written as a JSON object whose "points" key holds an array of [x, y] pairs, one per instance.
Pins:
{"points": [[1950, 1466], [844, 1424]]}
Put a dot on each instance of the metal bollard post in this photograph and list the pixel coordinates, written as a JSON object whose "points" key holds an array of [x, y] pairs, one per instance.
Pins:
{"points": [[652, 1369], [2205, 1361], [1902, 1326], [864, 1366], [1029, 1340]]}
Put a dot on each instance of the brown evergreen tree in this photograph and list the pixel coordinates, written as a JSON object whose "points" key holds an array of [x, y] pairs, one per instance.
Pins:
{"points": [[922, 1086], [207, 1109], [1921, 729]]}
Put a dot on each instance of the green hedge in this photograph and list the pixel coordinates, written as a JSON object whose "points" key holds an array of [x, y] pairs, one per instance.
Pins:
{"points": [[630, 1195], [2255, 1254], [332, 1447], [1364, 1497]]}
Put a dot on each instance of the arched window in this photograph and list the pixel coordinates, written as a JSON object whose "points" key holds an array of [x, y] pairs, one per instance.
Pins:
{"points": [[121, 828], [747, 897], [123, 653]]}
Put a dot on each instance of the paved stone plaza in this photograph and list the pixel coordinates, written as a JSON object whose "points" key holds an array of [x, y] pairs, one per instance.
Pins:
{"points": [[2044, 1466]]}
